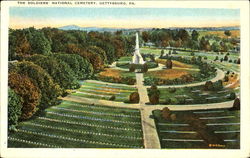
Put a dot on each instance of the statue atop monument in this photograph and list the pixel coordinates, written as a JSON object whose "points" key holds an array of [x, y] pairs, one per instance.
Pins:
{"points": [[137, 58]]}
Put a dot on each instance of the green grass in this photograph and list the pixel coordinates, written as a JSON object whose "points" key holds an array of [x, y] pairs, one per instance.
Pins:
{"points": [[208, 134], [183, 95], [80, 127], [126, 65], [154, 51], [103, 91], [125, 58]]}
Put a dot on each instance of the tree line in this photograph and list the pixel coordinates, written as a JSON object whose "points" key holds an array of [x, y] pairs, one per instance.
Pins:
{"points": [[181, 38]]}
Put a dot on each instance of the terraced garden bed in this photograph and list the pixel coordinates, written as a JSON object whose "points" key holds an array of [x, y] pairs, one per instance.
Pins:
{"points": [[218, 128], [104, 91], [75, 125], [116, 76]]}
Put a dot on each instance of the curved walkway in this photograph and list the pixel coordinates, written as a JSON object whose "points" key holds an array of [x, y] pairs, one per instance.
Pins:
{"points": [[220, 75]]}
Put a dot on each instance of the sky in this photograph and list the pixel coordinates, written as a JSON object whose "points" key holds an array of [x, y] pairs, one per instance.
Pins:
{"points": [[22, 17]]}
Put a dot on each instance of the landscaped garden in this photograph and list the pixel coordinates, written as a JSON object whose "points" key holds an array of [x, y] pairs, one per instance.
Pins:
{"points": [[76, 125], [51, 64], [116, 76], [104, 91], [219, 128]]}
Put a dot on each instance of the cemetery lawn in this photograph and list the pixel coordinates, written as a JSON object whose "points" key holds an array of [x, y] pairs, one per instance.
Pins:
{"points": [[76, 125], [104, 91], [218, 128], [193, 95]]}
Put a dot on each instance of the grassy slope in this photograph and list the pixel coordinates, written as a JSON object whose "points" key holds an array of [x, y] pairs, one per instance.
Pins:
{"points": [[208, 135], [76, 124]]}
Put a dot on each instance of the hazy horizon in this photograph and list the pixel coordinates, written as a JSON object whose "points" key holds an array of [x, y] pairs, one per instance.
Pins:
{"points": [[123, 17]]}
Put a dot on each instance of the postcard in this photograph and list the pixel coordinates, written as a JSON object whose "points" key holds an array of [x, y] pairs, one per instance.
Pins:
{"points": [[125, 78]]}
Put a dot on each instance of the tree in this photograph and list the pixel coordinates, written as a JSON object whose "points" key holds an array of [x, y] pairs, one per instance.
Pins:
{"points": [[60, 71], [195, 35], [50, 91], [226, 58], [215, 47], [14, 109], [134, 97], [236, 105], [132, 68], [81, 67], [218, 85], [169, 64], [39, 43], [208, 86], [238, 61], [154, 95], [145, 36], [227, 33], [166, 113], [162, 53], [30, 94], [18, 44]]}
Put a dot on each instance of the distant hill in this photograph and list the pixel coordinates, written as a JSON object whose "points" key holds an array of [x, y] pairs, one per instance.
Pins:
{"points": [[102, 29], [209, 28]]}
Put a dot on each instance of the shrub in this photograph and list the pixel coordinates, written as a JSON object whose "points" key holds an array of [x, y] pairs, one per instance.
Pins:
{"points": [[172, 90], [30, 94], [169, 64], [226, 58], [192, 53], [232, 96], [167, 101], [14, 109], [173, 117], [226, 78], [49, 90], [145, 68], [134, 97], [208, 86], [218, 85], [154, 95], [236, 104], [154, 99], [132, 68], [238, 61], [162, 53], [112, 98], [166, 113]]}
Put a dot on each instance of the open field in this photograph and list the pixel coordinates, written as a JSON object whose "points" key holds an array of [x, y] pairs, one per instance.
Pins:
{"points": [[218, 128], [75, 125], [103, 91], [193, 95], [234, 33]]}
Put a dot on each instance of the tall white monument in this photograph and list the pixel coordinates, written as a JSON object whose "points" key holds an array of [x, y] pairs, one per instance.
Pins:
{"points": [[137, 58]]}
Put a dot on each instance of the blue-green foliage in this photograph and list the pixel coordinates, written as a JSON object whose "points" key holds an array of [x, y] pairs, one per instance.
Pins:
{"points": [[14, 109], [81, 67], [58, 70]]}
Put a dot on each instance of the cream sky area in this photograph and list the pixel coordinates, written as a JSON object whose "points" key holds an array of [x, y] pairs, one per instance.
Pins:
{"points": [[123, 17]]}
